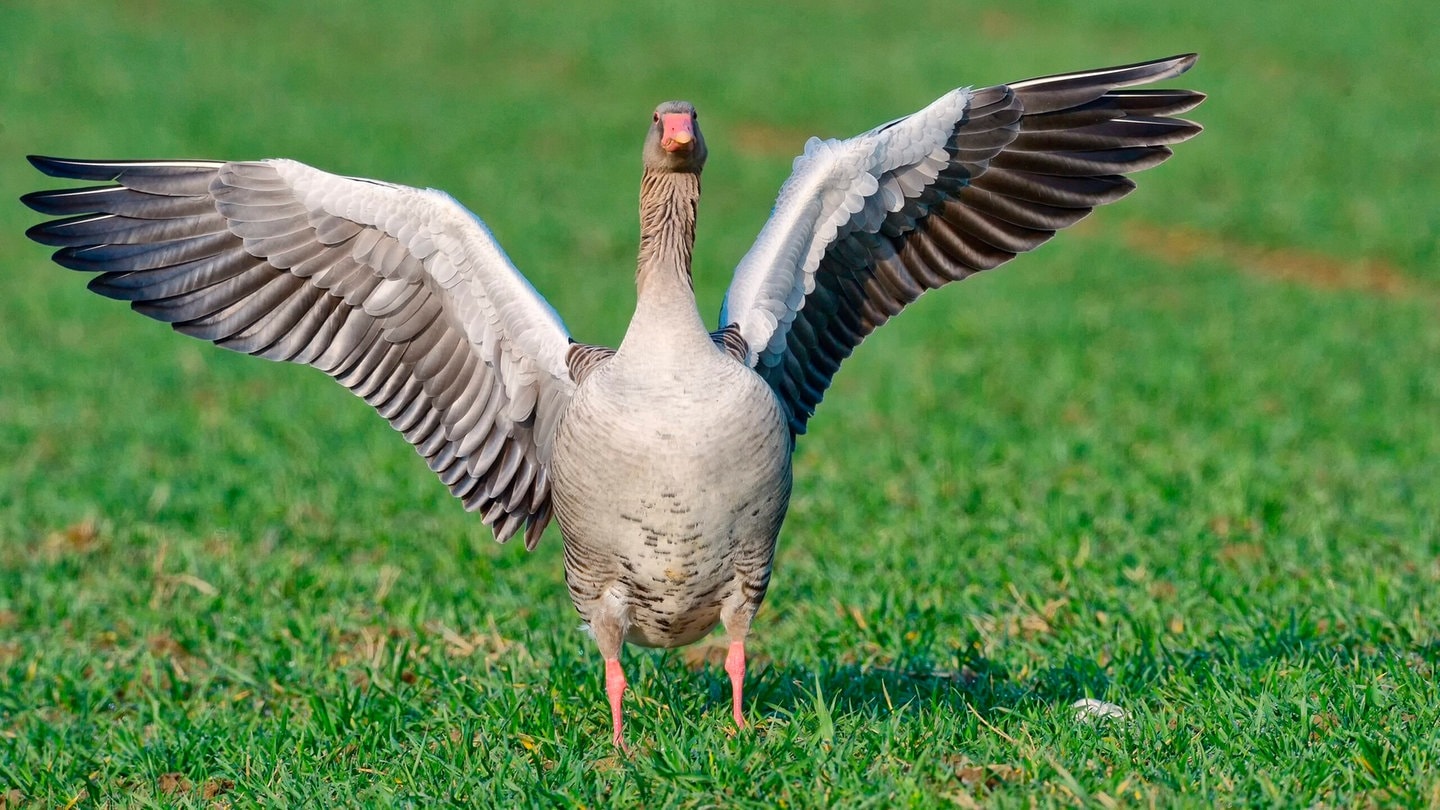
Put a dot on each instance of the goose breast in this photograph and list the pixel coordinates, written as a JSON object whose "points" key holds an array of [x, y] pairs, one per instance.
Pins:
{"points": [[670, 483]]}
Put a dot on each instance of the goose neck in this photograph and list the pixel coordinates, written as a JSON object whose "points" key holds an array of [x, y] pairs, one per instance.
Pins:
{"points": [[668, 202]]}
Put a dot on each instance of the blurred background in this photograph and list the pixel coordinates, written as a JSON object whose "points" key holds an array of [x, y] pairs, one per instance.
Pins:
{"points": [[1214, 402]]}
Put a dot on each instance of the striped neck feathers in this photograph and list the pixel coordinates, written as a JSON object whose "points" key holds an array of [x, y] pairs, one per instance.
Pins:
{"points": [[668, 201]]}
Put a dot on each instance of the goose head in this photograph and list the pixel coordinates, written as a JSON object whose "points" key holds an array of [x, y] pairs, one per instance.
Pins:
{"points": [[675, 143]]}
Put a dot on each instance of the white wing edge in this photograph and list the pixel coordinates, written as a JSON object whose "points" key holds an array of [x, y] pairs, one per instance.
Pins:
{"points": [[454, 245], [835, 187]]}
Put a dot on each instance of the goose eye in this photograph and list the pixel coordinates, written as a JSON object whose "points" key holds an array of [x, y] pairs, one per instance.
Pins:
{"points": [[655, 117]]}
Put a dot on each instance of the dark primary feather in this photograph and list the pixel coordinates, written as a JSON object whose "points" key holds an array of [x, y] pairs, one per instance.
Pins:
{"points": [[229, 252], [226, 252], [1027, 160]]}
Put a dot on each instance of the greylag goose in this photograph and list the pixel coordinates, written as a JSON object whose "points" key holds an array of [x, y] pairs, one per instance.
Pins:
{"points": [[665, 461]]}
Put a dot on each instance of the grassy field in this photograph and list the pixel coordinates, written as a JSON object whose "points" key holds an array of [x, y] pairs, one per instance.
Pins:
{"points": [[1186, 459]]}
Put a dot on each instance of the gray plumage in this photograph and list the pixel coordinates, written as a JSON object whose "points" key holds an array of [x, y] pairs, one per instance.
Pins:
{"points": [[667, 460], [373, 284]]}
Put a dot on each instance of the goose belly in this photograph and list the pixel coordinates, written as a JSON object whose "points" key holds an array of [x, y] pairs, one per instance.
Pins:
{"points": [[669, 506]]}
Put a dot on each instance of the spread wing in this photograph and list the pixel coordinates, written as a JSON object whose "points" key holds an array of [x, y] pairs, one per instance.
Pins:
{"points": [[400, 294], [863, 226]]}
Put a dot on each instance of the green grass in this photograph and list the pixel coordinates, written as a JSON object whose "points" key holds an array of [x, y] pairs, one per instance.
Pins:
{"points": [[1184, 459]]}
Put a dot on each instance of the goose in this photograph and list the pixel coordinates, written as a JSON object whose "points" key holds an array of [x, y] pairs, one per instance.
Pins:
{"points": [[665, 461]]}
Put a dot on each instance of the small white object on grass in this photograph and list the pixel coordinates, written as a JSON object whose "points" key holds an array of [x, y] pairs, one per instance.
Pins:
{"points": [[666, 463], [1089, 708]]}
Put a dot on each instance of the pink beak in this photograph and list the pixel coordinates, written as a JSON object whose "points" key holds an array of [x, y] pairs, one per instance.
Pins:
{"points": [[678, 131]]}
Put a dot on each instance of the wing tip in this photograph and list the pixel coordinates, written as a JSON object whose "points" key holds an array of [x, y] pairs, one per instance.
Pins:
{"points": [[1181, 62], [52, 232], [1135, 73], [37, 201], [1164, 68], [110, 170], [56, 166]]}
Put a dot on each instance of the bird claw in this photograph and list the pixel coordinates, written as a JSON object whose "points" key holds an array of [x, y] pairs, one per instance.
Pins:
{"points": [[619, 742]]}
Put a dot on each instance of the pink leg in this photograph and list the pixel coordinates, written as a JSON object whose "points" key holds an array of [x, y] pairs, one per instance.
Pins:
{"points": [[615, 688], [735, 666]]}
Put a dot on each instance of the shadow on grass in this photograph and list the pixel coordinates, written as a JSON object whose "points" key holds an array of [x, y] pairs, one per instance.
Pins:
{"points": [[974, 681]]}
